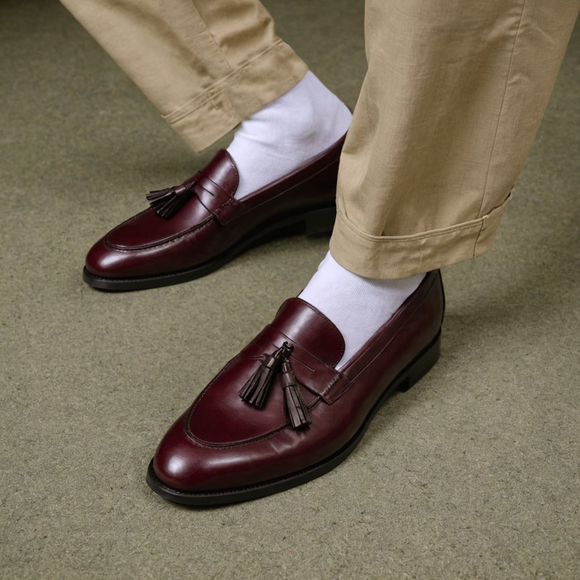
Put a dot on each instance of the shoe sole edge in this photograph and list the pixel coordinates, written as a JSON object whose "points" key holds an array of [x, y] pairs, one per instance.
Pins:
{"points": [[417, 369], [315, 222]]}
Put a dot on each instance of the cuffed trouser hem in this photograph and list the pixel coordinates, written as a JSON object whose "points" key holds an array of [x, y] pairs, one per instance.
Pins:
{"points": [[404, 256], [241, 93]]}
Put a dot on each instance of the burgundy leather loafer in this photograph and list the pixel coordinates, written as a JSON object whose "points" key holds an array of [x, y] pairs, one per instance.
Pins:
{"points": [[280, 414], [197, 227]]}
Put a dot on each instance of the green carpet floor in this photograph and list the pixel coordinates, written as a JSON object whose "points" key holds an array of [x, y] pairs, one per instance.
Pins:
{"points": [[474, 473]]}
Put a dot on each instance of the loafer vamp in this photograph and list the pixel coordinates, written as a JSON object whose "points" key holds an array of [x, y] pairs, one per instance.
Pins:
{"points": [[222, 442], [147, 229], [209, 226], [186, 465], [177, 253], [220, 416]]}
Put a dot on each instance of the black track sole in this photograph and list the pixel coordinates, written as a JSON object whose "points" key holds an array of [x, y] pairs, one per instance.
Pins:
{"points": [[422, 364], [319, 221]]}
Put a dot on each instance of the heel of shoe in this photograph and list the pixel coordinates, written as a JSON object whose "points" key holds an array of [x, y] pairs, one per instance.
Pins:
{"points": [[421, 366], [320, 221]]}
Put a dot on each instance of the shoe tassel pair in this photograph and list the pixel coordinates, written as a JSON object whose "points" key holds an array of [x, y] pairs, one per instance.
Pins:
{"points": [[255, 392], [168, 202]]}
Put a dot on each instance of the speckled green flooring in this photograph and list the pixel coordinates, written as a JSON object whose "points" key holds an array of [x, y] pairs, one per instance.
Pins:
{"points": [[472, 474]]}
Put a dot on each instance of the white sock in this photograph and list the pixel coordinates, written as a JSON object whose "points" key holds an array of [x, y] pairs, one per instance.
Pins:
{"points": [[358, 306], [286, 133]]}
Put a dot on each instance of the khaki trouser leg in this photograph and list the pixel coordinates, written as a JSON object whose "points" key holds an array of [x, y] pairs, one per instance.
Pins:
{"points": [[453, 97], [205, 64], [451, 102]]}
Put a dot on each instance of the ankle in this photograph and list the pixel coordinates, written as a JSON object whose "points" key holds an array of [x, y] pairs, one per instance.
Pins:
{"points": [[286, 133], [314, 112]]}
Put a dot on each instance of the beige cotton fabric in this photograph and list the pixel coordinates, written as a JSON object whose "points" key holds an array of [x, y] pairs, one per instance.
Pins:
{"points": [[450, 105], [205, 64], [449, 108]]}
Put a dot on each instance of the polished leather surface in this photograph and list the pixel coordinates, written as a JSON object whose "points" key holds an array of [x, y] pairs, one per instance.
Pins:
{"points": [[212, 221], [222, 443]]}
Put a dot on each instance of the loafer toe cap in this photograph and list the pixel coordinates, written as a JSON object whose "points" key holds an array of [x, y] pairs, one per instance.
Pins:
{"points": [[183, 465], [107, 262]]}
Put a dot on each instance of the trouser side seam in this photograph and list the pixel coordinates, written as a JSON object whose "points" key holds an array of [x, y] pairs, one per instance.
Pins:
{"points": [[501, 109]]}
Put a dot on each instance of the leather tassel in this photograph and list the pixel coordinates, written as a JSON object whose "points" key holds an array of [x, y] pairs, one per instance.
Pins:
{"points": [[256, 390], [167, 202], [293, 402]]}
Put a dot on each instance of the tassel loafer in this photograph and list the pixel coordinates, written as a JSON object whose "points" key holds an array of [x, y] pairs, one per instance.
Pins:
{"points": [[280, 414], [195, 228]]}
